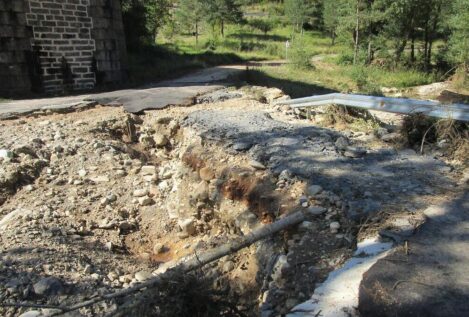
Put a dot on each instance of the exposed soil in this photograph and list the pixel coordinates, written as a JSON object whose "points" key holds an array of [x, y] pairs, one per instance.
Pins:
{"points": [[101, 200]]}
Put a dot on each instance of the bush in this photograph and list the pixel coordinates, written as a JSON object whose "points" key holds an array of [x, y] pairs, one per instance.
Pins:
{"points": [[274, 49], [299, 57], [345, 59], [246, 46], [365, 84], [264, 26], [211, 44], [359, 76]]}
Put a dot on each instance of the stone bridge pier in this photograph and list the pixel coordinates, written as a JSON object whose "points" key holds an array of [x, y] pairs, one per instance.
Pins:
{"points": [[60, 46]]}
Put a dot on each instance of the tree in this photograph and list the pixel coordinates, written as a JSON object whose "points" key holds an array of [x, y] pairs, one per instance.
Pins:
{"points": [[297, 11], [156, 13], [330, 18], [262, 25], [142, 20], [459, 39], [190, 13], [218, 12], [134, 19], [360, 25]]}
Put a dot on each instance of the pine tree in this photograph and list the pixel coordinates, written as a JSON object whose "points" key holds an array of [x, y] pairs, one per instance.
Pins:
{"points": [[190, 14], [218, 12], [459, 40], [331, 18], [298, 11]]}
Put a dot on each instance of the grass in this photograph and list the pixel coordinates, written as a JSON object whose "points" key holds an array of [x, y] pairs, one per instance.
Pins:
{"points": [[153, 63], [176, 54], [340, 78]]}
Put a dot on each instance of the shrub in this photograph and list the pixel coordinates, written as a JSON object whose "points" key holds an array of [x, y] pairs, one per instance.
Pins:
{"points": [[345, 59], [274, 49], [299, 57], [365, 83], [264, 26]]}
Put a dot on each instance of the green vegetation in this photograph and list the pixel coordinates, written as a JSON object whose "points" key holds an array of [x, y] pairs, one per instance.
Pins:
{"points": [[343, 45]]}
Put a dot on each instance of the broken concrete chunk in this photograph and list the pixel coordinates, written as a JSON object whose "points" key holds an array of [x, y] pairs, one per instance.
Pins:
{"points": [[49, 286], [334, 226], [316, 211], [82, 173], [391, 137], [257, 165], [279, 270], [146, 140], [271, 94], [341, 143], [187, 226], [160, 140], [148, 170], [201, 192], [140, 192], [314, 190], [354, 152], [143, 276], [242, 146], [6, 154], [145, 201]]}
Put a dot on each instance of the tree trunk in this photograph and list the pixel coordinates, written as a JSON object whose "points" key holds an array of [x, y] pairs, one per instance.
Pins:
{"points": [[199, 260], [369, 57], [425, 47], [412, 47], [431, 37], [399, 50], [196, 33], [222, 28], [355, 51]]}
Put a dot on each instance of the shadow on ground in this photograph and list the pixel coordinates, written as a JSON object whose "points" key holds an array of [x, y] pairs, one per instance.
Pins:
{"points": [[384, 181], [295, 89], [259, 37], [432, 279]]}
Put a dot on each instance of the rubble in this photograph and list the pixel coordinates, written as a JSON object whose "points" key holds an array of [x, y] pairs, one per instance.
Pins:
{"points": [[88, 209]]}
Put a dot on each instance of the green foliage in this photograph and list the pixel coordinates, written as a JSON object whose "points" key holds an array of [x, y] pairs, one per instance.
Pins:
{"points": [[365, 83], [298, 12], [142, 20], [331, 18], [345, 58], [219, 12], [153, 63], [190, 14], [459, 40], [299, 56], [262, 25]]}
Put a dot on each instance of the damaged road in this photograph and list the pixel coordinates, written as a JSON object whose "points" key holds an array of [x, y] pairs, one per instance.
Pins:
{"points": [[101, 200], [181, 91]]}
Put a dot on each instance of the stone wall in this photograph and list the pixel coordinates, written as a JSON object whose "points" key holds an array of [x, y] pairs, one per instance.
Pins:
{"points": [[62, 35], [108, 33], [15, 48], [58, 46]]}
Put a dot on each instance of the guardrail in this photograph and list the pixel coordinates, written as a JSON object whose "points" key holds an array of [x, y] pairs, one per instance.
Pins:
{"points": [[395, 105]]}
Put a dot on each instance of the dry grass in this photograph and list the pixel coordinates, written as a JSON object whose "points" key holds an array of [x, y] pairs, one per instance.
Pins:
{"points": [[419, 130], [181, 295], [355, 119]]}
